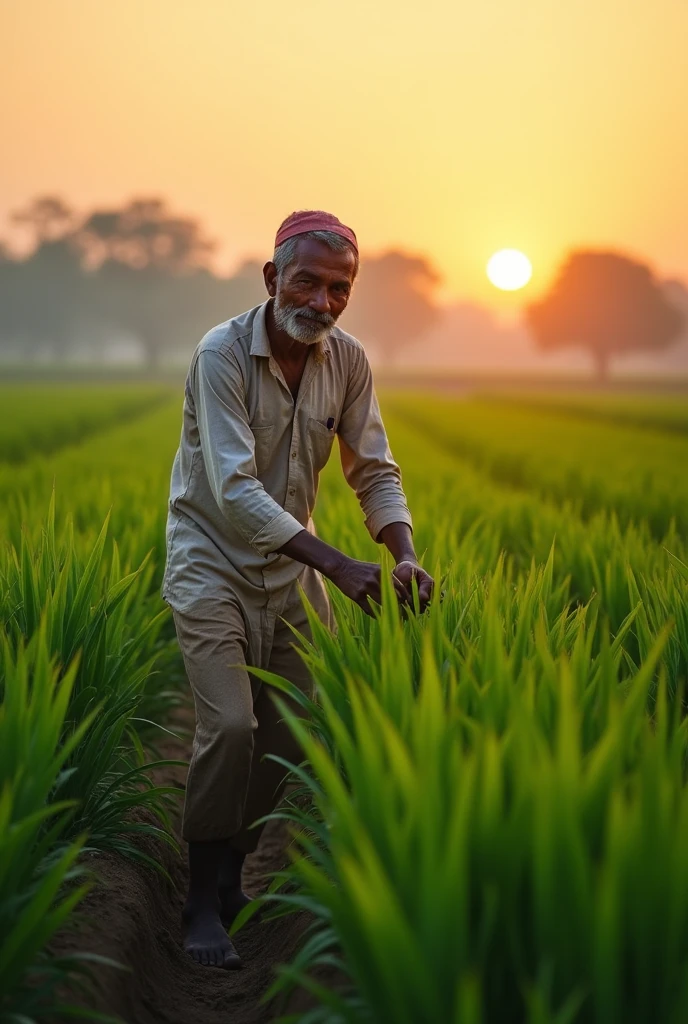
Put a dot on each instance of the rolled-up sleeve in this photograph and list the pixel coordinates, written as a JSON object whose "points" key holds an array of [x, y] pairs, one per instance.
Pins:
{"points": [[366, 458], [228, 448]]}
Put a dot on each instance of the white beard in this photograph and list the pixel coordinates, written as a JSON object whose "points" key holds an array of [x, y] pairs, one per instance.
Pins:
{"points": [[287, 320]]}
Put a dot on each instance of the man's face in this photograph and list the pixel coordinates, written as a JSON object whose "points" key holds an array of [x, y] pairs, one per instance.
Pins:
{"points": [[312, 292]]}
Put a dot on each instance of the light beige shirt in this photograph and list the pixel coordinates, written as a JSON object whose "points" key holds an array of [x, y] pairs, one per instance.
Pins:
{"points": [[245, 476]]}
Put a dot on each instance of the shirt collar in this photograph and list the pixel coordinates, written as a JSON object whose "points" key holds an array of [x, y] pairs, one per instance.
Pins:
{"points": [[260, 343]]}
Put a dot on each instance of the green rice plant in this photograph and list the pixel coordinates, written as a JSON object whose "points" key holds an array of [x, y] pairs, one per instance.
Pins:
{"points": [[89, 609], [593, 465], [47, 417], [664, 598], [463, 521], [124, 472], [456, 508], [558, 655], [497, 834], [40, 881], [661, 411]]}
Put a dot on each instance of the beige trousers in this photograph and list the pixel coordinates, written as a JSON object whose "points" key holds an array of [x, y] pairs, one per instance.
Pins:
{"points": [[230, 782]]}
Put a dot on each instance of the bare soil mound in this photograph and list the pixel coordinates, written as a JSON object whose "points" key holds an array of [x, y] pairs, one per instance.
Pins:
{"points": [[133, 916]]}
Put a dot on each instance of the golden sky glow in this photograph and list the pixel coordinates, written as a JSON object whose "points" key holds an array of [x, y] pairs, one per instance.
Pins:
{"points": [[447, 127]]}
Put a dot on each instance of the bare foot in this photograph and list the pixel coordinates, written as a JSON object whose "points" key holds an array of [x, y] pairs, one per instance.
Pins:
{"points": [[206, 940], [232, 900]]}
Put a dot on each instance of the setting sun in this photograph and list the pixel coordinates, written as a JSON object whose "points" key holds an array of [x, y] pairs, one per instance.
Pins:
{"points": [[509, 269]]}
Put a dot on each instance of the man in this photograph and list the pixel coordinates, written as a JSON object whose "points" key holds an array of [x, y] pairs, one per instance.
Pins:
{"points": [[266, 394]]}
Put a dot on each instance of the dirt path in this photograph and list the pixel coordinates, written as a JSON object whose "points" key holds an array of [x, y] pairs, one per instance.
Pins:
{"points": [[133, 917]]}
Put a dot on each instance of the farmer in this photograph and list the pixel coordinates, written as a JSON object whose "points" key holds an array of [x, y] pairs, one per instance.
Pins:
{"points": [[266, 393]]}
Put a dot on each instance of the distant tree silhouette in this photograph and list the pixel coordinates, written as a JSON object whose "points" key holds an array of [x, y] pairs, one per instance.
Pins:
{"points": [[168, 312], [149, 274], [607, 303], [393, 301], [139, 270], [144, 234], [677, 294], [251, 272], [144, 272], [47, 218], [43, 297]]}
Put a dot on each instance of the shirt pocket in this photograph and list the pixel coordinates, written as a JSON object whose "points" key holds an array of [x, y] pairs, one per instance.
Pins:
{"points": [[320, 440], [262, 437]]}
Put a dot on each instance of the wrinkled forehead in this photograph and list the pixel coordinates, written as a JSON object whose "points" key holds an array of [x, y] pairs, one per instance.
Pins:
{"points": [[317, 259]]}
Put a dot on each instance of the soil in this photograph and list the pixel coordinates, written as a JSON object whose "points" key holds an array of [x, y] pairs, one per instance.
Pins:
{"points": [[132, 916]]}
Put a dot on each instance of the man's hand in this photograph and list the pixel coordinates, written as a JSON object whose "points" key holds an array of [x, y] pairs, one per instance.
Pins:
{"points": [[358, 580], [398, 539], [407, 570], [361, 580]]}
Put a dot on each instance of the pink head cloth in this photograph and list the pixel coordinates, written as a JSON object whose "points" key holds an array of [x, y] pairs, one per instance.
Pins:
{"points": [[313, 220]]}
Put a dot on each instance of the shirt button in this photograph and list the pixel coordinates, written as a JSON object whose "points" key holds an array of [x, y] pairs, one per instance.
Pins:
{"points": [[292, 490], [293, 455]]}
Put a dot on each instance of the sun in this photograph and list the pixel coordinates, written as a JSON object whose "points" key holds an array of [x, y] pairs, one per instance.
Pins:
{"points": [[509, 269]]}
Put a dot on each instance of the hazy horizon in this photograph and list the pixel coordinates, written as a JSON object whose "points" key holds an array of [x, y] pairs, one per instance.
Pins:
{"points": [[451, 132]]}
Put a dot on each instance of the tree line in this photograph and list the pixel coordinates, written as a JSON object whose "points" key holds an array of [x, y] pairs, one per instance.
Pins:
{"points": [[142, 271], [145, 272]]}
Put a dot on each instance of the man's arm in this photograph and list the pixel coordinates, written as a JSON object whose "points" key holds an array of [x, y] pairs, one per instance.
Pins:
{"points": [[371, 471], [398, 539], [367, 462], [228, 448]]}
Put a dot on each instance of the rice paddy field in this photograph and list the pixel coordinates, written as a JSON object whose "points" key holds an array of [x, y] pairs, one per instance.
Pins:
{"points": [[490, 823]]}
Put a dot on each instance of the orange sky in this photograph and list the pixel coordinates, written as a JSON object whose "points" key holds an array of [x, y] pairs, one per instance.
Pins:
{"points": [[444, 126]]}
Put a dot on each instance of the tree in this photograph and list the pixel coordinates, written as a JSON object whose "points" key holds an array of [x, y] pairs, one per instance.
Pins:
{"points": [[143, 271], [168, 312], [42, 297], [607, 303], [144, 234], [149, 272], [393, 301], [677, 294], [47, 218]]}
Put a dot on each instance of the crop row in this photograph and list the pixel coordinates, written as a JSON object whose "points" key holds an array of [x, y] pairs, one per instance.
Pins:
{"points": [[670, 413], [638, 474], [44, 419], [86, 655]]}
